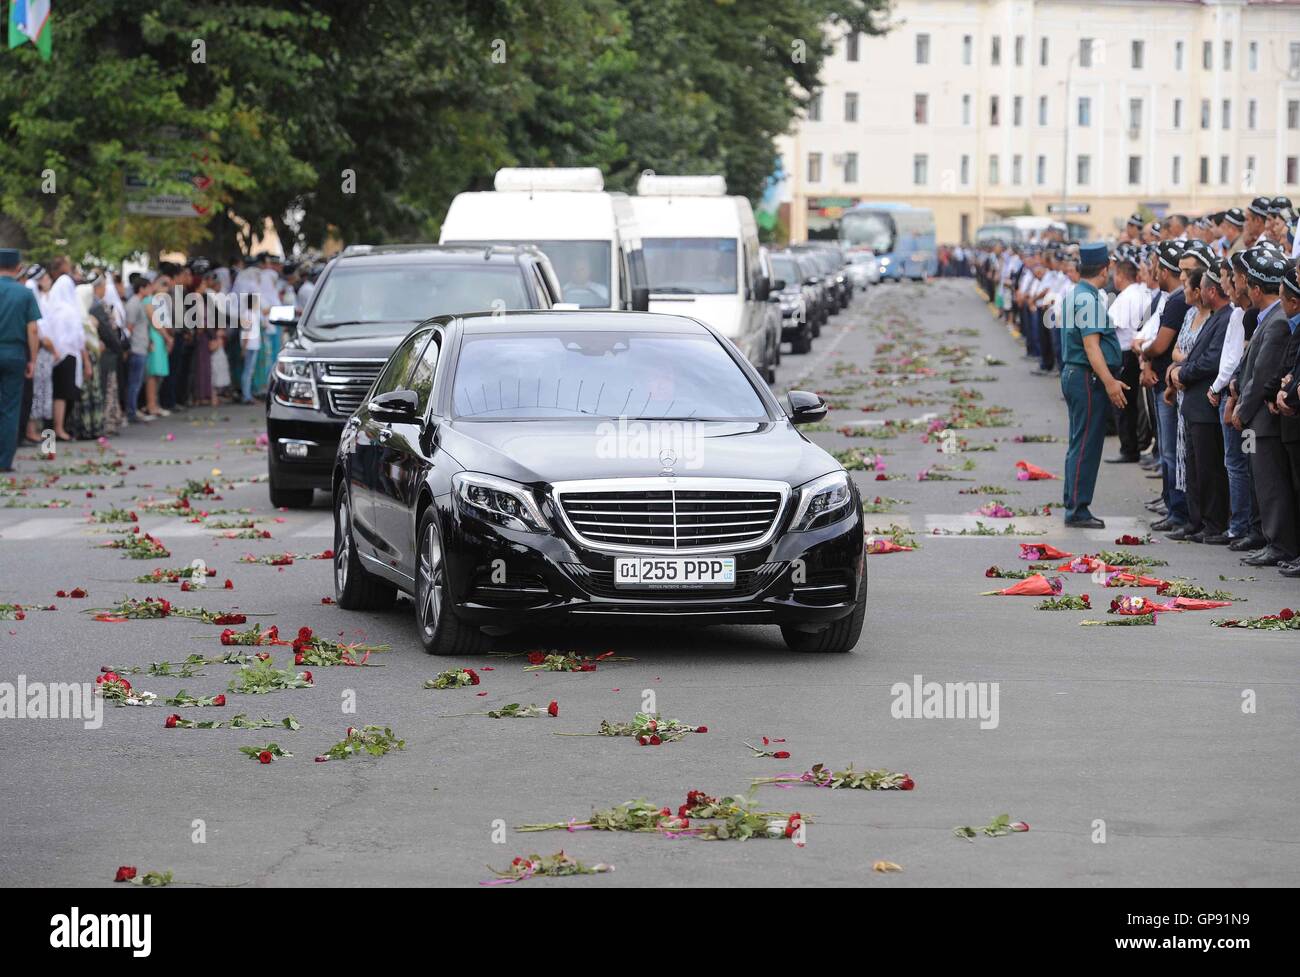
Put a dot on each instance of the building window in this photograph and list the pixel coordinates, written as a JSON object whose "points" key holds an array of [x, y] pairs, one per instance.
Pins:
{"points": [[1227, 55], [994, 176], [815, 108], [1017, 169], [1250, 170], [1042, 110], [921, 109], [965, 110], [993, 110], [1134, 115], [922, 48], [851, 46], [1017, 111], [1040, 170], [1205, 113], [1293, 169], [814, 167], [995, 55], [1042, 52], [1134, 170], [1083, 170], [967, 49], [1020, 50], [920, 169], [1293, 113], [1178, 55], [1224, 170], [965, 170], [1177, 173], [1252, 56], [1207, 55], [850, 167], [1227, 113], [850, 106], [1205, 170], [1178, 113], [1085, 111], [1252, 114], [1138, 55], [1085, 52], [1294, 49]]}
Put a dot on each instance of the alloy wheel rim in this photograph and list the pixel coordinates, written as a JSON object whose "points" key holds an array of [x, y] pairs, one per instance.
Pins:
{"points": [[342, 546], [430, 608]]}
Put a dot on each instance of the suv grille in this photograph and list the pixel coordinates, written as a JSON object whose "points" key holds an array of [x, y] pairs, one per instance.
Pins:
{"points": [[345, 383], [672, 518]]}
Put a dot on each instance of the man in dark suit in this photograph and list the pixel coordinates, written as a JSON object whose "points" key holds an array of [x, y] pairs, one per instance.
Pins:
{"points": [[1207, 477], [1287, 399], [1270, 471]]}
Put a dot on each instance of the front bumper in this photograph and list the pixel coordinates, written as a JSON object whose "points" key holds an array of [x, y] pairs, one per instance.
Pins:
{"points": [[810, 579], [302, 446]]}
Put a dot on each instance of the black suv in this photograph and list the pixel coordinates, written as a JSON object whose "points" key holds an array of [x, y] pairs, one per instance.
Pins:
{"points": [[366, 301]]}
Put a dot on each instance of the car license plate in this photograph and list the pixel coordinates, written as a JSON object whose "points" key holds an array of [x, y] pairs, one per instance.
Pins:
{"points": [[656, 572]]}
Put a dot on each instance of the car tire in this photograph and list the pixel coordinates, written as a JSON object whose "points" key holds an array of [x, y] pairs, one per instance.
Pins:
{"points": [[354, 588], [840, 637], [441, 631], [283, 498], [802, 342]]}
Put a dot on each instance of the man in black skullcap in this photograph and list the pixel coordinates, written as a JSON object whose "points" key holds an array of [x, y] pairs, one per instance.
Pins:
{"points": [[1132, 230], [1287, 400], [1257, 221], [1270, 471], [19, 342], [1156, 359], [1233, 224]]}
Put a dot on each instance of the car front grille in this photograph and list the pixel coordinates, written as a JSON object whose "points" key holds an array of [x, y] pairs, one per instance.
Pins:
{"points": [[673, 514], [346, 382], [600, 583]]}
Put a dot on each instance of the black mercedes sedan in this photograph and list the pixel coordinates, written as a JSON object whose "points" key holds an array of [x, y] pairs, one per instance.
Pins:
{"points": [[513, 470]]}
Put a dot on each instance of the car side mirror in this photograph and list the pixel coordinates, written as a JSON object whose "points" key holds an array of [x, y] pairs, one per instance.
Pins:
{"points": [[397, 407], [805, 407], [778, 285], [640, 299]]}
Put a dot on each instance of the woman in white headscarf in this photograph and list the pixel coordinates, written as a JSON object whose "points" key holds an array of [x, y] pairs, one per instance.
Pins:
{"points": [[41, 408], [64, 313]]}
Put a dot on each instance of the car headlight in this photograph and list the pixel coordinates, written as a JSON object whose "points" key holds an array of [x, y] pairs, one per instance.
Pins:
{"points": [[499, 501], [884, 261], [822, 501], [295, 383]]}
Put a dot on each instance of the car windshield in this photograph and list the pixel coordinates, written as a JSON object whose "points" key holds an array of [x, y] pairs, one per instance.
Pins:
{"points": [[867, 229], [363, 293], [691, 265], [510, 376], [786, 270], [582, 268]]}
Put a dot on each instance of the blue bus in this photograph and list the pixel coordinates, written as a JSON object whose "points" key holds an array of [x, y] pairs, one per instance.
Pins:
{"points": [[901, 237]]}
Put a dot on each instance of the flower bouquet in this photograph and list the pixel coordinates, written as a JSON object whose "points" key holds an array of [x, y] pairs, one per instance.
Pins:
{"points": [[183, 699], [556, 662], [118, 690], [253, 637], [139, 547], [453, 678], [260, 677], [558, 865], [819, 775], [371, 740], [1042, 551], [311, 650], [1284, 620], [1025, 472], [648, 729], [1185, 588], [1066, 602], [264, 754], [241, 721], [1033, 586]]}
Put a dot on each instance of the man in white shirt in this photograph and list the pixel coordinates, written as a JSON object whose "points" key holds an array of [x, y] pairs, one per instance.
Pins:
{"points": [[1242, 518]]}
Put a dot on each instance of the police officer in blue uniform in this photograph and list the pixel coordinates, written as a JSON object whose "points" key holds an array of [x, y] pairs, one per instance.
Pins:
{"points": [[1091, 359], [18, 344]]}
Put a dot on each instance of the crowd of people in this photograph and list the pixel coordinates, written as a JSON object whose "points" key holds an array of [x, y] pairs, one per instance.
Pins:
{"points": [[1187, 328], [85, 352]]}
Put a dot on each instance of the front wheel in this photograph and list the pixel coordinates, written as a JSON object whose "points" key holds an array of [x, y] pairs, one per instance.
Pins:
{"points": [[840, 637], [441, 632], [354, 588]]}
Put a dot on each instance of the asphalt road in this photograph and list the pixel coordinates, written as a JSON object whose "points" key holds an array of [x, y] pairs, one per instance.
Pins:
{"points": [[1141, 729]]}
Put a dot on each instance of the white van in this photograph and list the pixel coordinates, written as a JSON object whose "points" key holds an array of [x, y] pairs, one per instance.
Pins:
{"points": [[588, 234], [702, 259]]}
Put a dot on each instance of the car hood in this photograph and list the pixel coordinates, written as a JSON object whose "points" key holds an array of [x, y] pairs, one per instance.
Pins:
{"points": [[555, 451], [367, 340], [725, 313]]}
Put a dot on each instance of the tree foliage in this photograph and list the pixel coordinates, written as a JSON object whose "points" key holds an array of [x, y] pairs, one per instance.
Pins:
{"points": [[363, 118]]}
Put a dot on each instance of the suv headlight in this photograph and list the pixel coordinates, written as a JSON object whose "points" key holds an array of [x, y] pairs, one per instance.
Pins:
{"points": [[499, 501], [822, 501], [295, 383]]}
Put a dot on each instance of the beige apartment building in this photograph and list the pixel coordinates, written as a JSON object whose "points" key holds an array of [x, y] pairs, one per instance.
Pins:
{"points": [[980, 110]]}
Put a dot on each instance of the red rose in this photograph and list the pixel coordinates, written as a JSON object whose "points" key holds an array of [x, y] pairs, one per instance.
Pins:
{"points": [[219, 700], [125, 873], [781, 755], [906, 783], [170, 722], [643, 740], [60, 593], [263, 656], [106, 677], [882, 477], [536, 658], [683, 811], [655, 741], [76, 593], [20, 615], [554, 709], [265, 757], [327, 600], [185, 586], [793, 825], [666, 812], [1286, 614], [307, 677], [701, 729], [273, 633], [304, 634], [227, 637], [351, 731], [299, 659], [134, 517], [473, 676], [229, 584]]}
